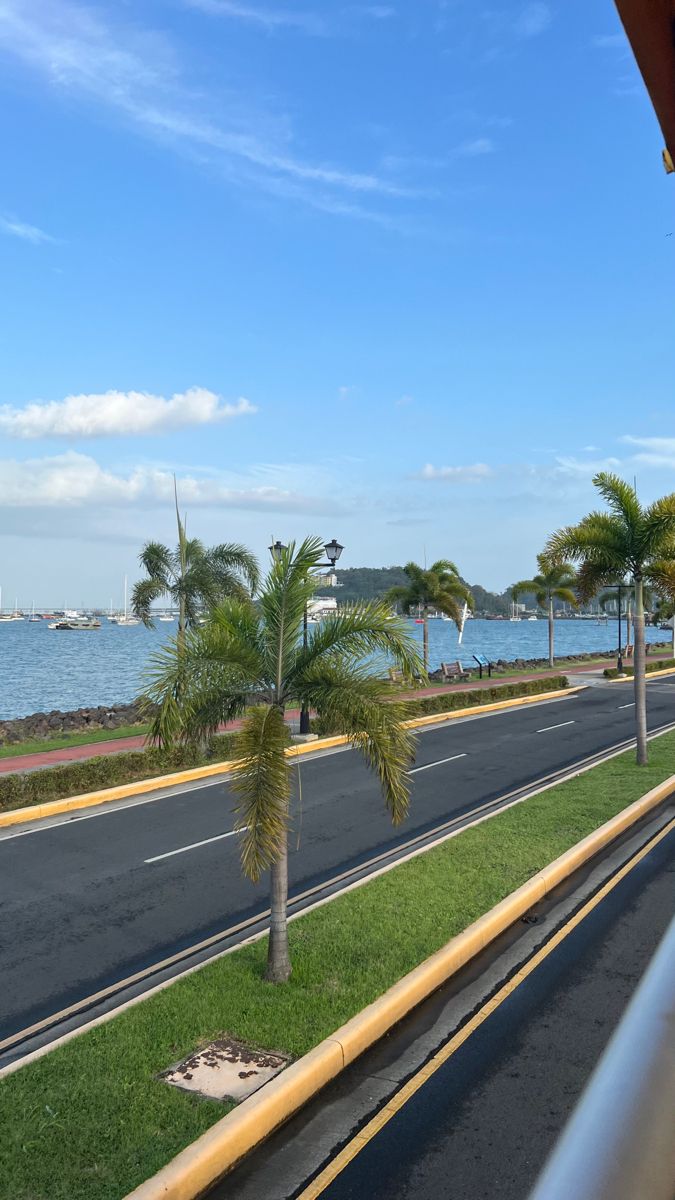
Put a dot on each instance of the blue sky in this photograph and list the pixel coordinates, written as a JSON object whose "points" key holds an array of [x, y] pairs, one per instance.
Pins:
{"points": [[398, 273]]}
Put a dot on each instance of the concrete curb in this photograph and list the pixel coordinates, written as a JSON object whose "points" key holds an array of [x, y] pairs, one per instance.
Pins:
{"points": [[55, 808], [649, 675], [212, 1155]]}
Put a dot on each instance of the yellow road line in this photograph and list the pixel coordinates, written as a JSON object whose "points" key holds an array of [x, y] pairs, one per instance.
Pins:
{"points": [[401, 1098]]}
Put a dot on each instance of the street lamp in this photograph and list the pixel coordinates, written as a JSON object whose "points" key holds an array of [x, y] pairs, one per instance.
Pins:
{"points": [[276, 550]]}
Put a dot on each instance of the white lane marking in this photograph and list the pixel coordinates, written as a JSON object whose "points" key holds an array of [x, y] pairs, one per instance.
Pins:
{"points": [[194, 846], [436, 764], [627, 705], [547, 728]]}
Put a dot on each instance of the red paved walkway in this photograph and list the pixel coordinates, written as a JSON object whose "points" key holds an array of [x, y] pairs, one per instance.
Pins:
{"points": [[67, 754]]}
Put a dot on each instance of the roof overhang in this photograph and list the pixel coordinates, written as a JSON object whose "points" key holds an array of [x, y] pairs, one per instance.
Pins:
{"points": [[650, 26]]}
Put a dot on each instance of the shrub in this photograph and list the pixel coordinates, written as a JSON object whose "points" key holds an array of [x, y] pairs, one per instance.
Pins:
{"points": [[451, 701], [109, 770], [667, 664]]}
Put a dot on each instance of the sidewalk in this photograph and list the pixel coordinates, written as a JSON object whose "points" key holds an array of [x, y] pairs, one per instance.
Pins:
{"points": [[68, 754]]}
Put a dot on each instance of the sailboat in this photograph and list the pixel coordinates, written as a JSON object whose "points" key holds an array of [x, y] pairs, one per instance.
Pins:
{"points": [[126, 619], [15, 616], [514, 614], [32, 616]]}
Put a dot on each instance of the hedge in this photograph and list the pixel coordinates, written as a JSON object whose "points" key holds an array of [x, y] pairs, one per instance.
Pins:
{"points": [[664, 664], [450, 701], [53, 783]]}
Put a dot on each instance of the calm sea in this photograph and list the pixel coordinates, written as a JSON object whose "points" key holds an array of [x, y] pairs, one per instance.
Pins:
{"points": [[44, 669]]}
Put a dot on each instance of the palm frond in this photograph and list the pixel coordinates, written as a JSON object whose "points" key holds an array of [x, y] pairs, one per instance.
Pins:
{"points": [[566, 595], [231, 561], [444, 567], [143, 595], [288, 588], [157, 562], [361, 631], [363, 708], [261, 782], [620, 497]]}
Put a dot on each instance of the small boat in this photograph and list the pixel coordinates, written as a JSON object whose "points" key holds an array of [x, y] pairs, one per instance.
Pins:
{"points": [[14, 616], [514, 615], [32, 616], [126, 619], [532, 618], [167, 617], [76, 623]]}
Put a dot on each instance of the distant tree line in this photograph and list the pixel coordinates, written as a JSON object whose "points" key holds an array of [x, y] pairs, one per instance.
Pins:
{"points": [[372, 583]]}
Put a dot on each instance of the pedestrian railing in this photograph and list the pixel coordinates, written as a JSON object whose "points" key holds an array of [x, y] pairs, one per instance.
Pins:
{"points": [[620, 1141]]}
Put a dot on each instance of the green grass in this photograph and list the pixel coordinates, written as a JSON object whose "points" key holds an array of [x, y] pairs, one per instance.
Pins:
{"points": [[90, 1121], [63, 741]]}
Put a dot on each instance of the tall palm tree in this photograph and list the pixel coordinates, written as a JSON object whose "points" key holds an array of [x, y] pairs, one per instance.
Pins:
{"points": [[439, 587], [553, 582], [192, 576], [247, 649], [629, 539]]}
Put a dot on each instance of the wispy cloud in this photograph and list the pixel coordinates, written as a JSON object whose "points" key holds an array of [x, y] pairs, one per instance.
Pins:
{"points": [[137, 72], [610, 41], [476, 148], [269, 19], [20, 229], [77, 481], [114, 414], [533, 19], [476, 473], [653, 451]]}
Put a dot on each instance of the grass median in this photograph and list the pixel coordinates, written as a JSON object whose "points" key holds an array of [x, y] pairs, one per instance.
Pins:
{"points": [[90, 1121], [66, 740]]}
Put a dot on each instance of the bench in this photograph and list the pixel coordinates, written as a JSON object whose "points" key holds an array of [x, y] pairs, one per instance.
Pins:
{"points": [[483, 662], [450, 671]]}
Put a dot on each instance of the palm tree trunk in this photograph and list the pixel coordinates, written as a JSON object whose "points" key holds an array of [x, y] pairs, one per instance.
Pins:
{"points": [[628, 622], [278, 956], [639, 675], [425, 638], [551, 660]]}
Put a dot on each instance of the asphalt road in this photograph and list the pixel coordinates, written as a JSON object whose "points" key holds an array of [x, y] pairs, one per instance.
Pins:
{"points": [[88, 901], [484, 1124]]}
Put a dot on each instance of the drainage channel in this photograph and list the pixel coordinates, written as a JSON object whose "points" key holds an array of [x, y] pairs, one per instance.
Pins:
{"points": [[36, 1039]]}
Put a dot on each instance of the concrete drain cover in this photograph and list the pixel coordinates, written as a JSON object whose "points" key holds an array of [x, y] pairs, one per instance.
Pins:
{"points": [[225, 1070]]}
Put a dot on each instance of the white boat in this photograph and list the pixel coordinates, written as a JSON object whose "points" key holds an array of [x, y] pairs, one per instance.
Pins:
{"points": [[167, 617], [32, 616], [15, 616], [126, 619], [514, 615], [532, 618], [76, 623]]}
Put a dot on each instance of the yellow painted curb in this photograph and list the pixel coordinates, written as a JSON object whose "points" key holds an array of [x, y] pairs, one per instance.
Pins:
{"points": [[648, 675], [212, 1155], [55, 808]]}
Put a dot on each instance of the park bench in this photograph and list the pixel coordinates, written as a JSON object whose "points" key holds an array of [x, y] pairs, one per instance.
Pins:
{"points": [[455, 670], [483, 662]]}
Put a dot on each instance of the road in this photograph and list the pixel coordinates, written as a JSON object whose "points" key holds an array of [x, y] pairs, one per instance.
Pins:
{"points": [[484, 1122], [87, 901]]}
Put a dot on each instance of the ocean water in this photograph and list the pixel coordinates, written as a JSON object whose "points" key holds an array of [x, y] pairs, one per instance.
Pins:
{"points": [[43, 669]]}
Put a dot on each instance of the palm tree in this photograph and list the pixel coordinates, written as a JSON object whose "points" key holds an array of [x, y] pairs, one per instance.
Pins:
{"points": [[629, 539], [439, 587], [248, 649], [553, 582], [194, 577]]}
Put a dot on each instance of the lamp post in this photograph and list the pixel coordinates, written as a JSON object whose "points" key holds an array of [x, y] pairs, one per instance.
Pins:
{"points": [[333, 550]]}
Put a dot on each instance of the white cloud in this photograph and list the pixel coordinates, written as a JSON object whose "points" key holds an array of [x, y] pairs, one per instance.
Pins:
{"points": [[534, 19], [115, 413], [74, 481], [476, 148], [653, 451], [20, 229], [136, 72], [471, 474]]}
